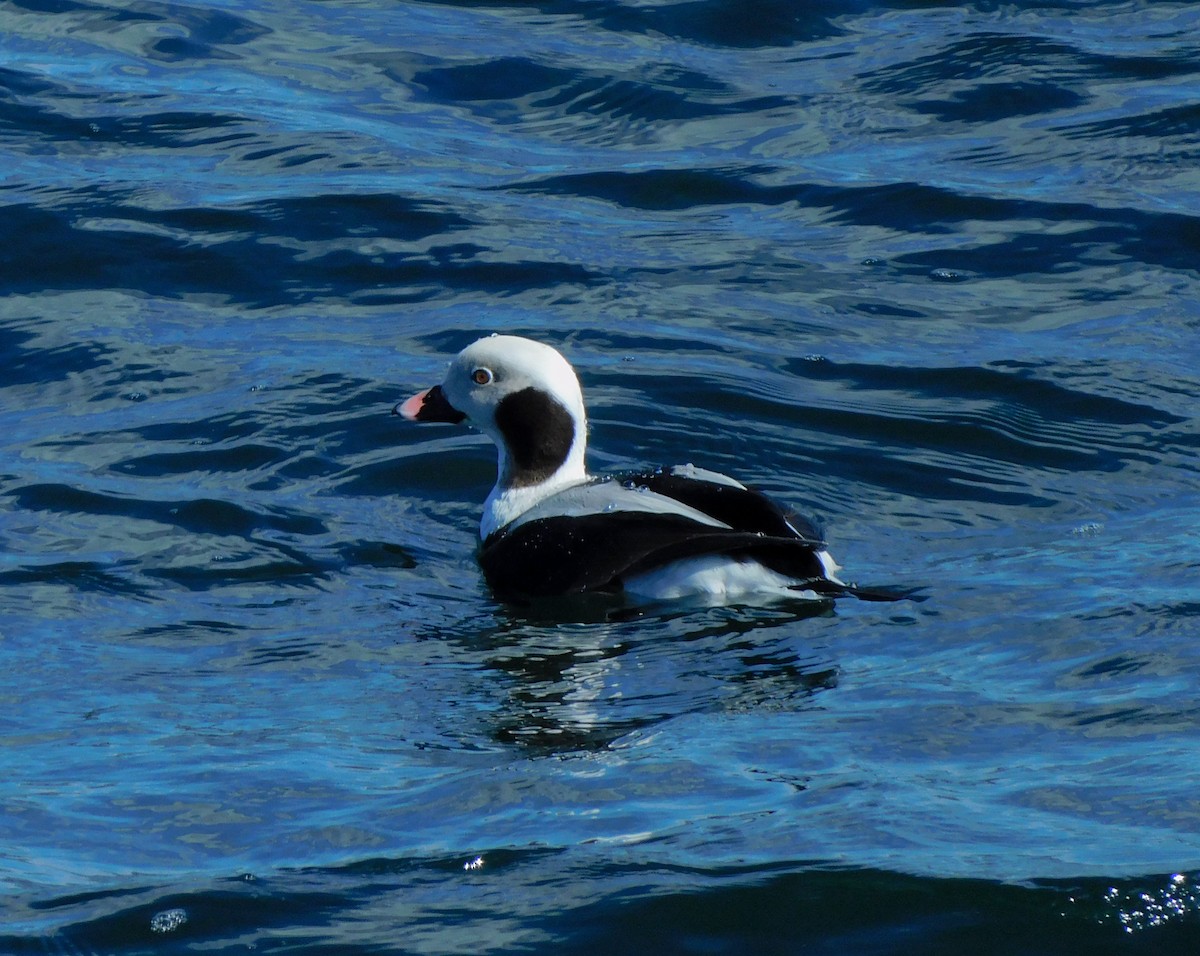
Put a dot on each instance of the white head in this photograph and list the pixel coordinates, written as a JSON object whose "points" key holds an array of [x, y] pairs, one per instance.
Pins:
{"points": [[524, 396]]}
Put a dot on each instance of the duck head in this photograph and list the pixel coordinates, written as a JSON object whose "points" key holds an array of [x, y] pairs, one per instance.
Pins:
{"points": [[524, 396]]}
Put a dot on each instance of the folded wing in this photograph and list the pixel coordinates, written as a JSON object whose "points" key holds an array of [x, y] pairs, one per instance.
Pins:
{"points": [[593, 536]]}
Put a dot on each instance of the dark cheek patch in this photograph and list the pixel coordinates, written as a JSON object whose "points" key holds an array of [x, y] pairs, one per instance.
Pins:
{"points": [[539, 433]]}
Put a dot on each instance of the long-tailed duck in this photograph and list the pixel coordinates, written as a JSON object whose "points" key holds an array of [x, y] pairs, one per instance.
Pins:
{"points": [[551, 529]]}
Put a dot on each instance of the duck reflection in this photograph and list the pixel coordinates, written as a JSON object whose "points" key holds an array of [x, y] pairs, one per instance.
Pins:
{"points": [[586, 684]]}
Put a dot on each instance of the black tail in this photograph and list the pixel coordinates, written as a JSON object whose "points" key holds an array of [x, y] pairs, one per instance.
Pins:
{"points": [[884, 593], [834, 589]]}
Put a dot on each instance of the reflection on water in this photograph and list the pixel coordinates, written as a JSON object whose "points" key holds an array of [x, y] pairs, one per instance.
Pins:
{"points": [[585, 686]]}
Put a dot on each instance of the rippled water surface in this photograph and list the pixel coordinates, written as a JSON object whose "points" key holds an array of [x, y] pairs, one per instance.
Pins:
{"points": [[928, 272]]}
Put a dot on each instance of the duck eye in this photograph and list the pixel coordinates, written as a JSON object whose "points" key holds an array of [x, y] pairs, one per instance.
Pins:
{"points": [[482, 376]]}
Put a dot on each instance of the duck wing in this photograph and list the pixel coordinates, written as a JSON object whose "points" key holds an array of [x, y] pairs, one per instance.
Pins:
{"points": [[727, 500]]}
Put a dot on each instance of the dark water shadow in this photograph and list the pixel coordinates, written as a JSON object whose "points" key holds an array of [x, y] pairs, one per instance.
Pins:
{"points": [[520, 90], [1167, 239], [541, 899], [716, 23]]}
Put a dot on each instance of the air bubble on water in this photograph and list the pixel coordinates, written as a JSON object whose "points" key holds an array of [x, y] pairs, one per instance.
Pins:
{"points": [[947, 275], [1137, 911], [168, 920]]}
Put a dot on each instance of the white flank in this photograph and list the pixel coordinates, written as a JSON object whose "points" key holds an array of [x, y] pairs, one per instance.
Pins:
{"points": [[715, 577]]}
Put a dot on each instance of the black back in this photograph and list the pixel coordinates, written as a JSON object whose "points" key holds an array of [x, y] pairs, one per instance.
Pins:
{"points": [[742, 508]]}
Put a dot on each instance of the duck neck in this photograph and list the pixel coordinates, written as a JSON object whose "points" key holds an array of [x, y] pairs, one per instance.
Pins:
{"points": [[508, 501]]}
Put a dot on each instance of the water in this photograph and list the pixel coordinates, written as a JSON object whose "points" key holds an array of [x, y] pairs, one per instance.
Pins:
{"points": [[928, 272]]}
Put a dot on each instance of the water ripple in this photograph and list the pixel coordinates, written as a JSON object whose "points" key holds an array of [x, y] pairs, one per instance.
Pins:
{"points": [[926, 271]]}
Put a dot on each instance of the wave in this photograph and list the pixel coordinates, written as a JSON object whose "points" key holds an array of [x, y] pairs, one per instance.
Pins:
{"points": [[450, 904]]}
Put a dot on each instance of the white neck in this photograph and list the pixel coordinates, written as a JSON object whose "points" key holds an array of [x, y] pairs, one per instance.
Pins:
{"points": [[505, 504]]}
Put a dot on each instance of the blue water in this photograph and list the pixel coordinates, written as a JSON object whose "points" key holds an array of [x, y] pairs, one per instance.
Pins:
{"points": [[928, 272]]}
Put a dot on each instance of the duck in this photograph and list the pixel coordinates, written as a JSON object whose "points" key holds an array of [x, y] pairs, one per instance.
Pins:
{"points": [[550, 529]]}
